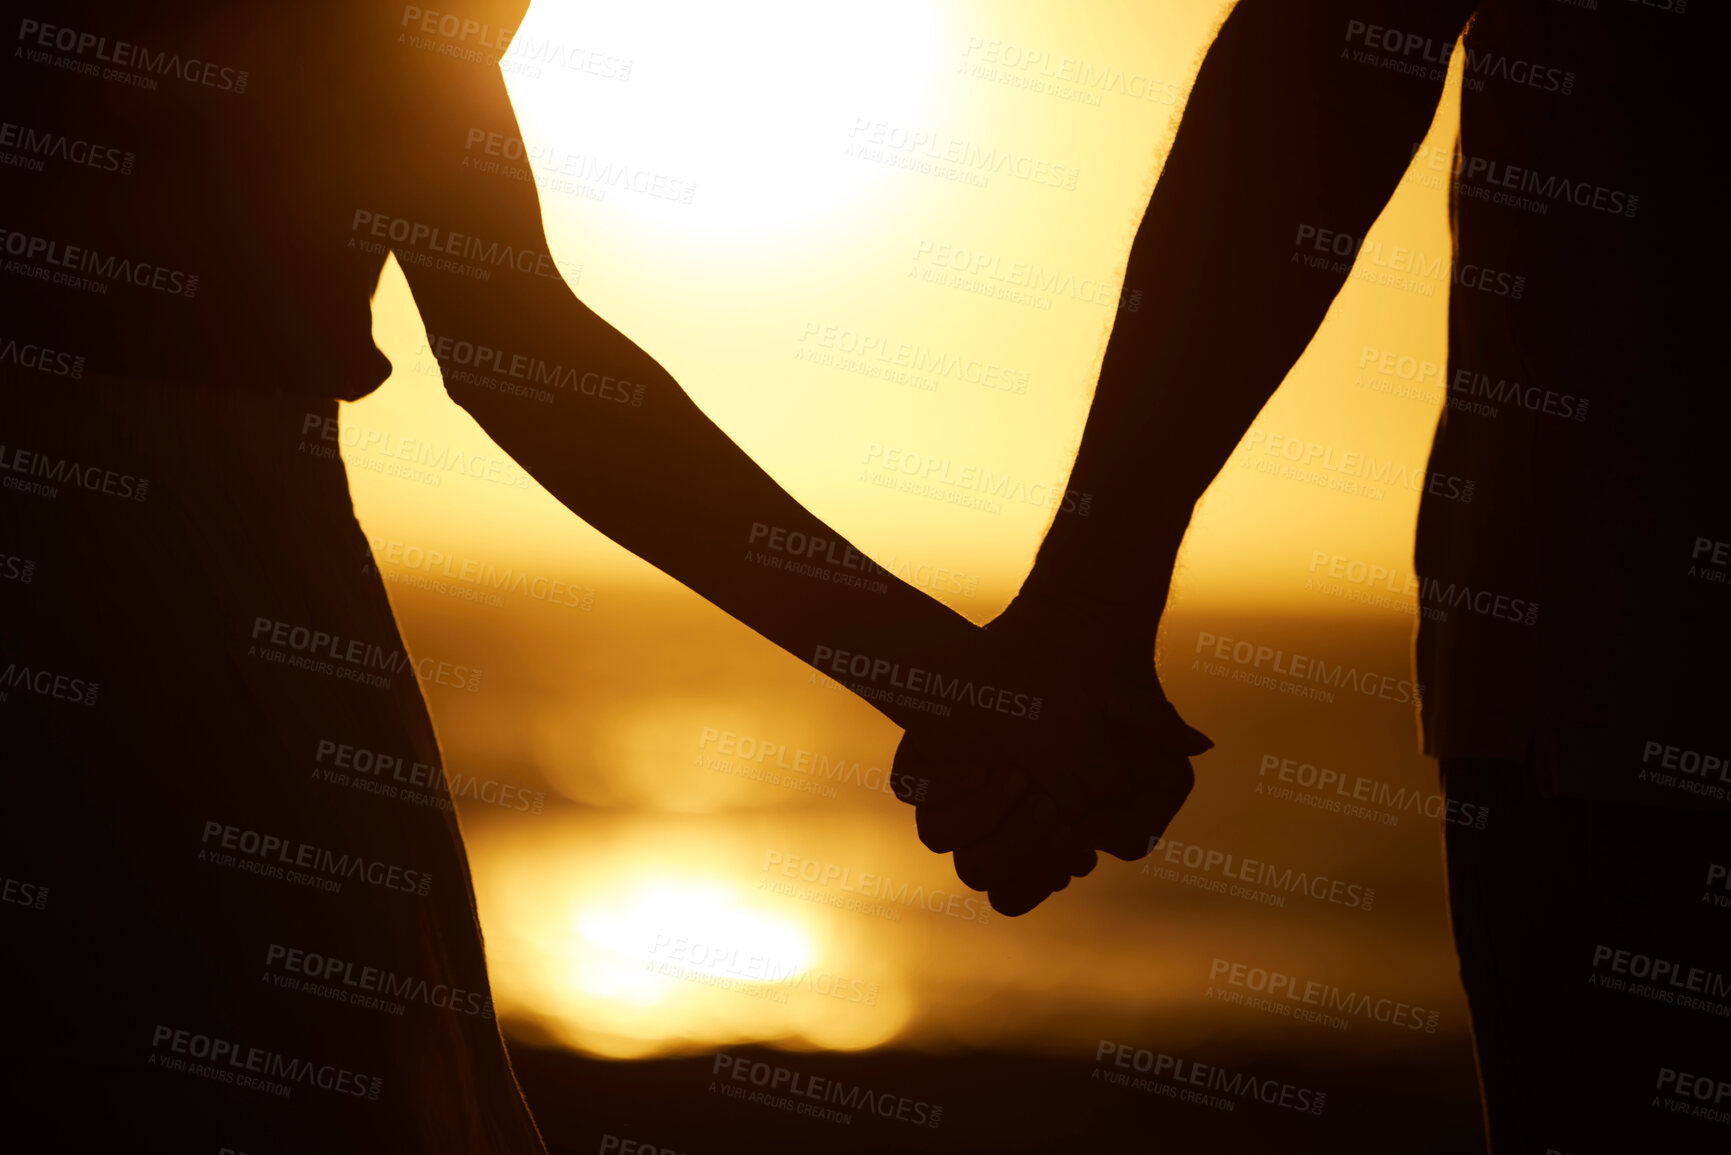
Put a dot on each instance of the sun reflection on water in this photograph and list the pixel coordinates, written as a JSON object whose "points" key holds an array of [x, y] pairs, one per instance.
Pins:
{"points": [[687, 928], [631, 943]]}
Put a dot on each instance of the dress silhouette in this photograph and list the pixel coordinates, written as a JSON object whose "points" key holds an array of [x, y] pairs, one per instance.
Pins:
{"points": [[214, 945], [1573, 504]]}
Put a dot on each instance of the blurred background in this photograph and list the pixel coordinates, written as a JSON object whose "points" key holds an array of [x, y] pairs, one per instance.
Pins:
{"points": [[855, 231]]}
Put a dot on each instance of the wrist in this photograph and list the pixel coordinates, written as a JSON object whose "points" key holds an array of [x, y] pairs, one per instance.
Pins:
{"points": [[1083, 626]]}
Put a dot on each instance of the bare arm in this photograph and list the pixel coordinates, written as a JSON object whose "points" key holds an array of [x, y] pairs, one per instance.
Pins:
{"points": [[659, 478], [1285, 131]]}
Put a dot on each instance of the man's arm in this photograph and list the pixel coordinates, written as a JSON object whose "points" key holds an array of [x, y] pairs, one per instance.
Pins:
{"points": [[659, 478], [1293, 126]]}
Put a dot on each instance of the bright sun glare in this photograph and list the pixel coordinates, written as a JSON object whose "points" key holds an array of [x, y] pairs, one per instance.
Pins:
{"points": [[752, 104], [745, 236], [630, 942], [669, 931]]}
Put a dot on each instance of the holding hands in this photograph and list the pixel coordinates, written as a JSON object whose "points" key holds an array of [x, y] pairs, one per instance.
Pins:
{"points": [[1025, 802]]}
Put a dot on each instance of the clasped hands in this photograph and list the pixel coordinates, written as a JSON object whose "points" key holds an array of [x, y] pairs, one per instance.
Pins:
{"points": [[1025, 802]]}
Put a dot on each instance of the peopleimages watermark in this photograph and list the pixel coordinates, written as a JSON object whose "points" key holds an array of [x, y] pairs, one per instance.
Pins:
{"points": [[1349, 471], [1412, 54], [814, 1096], [17, 892], [31, 471], [256, 1068], [1364, 582], [572, 172], [135, 64], [985, 274], [1718, 878], [17, 569], [942, 479], [351, 659], [1409, 270], [41, 359], [79, 267], [835, 561], [1660, 980], [1231, 869], [764, 759], [1465, 390], [1369, 584], [1516, 186], [519, 374], [469, 578], [1201, 1083], [1297, 674], [1674, 7], [759, 975], [1685, 769], [1710, 560], [873, 886], [446, 251], [404, 455], [933, 153], [1356, 796], [1293, 997], [372, 988], [35, 145], [473, 41], [272, 856], [902, 362], [411, 780], [881, 680], [814, 556], [46, 683], [1691, 1094], [1061, 76], [617, 1145]]}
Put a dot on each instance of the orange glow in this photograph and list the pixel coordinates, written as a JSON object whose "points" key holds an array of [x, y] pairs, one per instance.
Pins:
{"points": [[791, 251]]}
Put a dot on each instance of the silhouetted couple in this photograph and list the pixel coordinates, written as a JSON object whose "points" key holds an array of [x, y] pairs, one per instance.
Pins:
{"points": [[199, 201]]}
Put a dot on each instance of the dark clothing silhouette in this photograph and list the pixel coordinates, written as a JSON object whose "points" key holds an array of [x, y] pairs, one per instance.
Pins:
{"points": [[1587, 731], [1572, 538], [199, 201], [142, 812], [238, 948], [1576, 410], [1560, 907]]}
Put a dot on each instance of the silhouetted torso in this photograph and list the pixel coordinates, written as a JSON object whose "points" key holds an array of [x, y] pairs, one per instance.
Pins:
{"points": [[249, 136], [176, 239], [1578, 348]]}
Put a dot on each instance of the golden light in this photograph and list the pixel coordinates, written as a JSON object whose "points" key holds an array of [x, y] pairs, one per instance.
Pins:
{"points": [[697, 926], [746, 108], [752, 107], [628, 937]]}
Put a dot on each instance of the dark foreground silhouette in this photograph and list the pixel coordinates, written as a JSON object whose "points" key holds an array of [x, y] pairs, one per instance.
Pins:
{"points": [[197, 664], [188, 270], [1571, 538]]}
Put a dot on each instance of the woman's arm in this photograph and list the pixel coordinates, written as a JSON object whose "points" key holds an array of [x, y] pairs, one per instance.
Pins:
{"points": [[659, 478]]}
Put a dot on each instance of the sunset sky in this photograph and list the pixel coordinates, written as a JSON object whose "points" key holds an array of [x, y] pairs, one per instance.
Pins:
{"points": [[805, 265], [805, 201]]}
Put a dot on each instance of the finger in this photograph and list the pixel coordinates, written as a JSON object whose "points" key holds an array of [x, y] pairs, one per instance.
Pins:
{"points": [[1082, 861], [958, 815], [1027, 860], [1129, 828], [1173, 732], [1018, 849], [1140, 704], [965, 797], [1012, 900]]}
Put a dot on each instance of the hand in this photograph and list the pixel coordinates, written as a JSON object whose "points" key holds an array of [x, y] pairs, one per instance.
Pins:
{"points": [[1025, 803]]}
